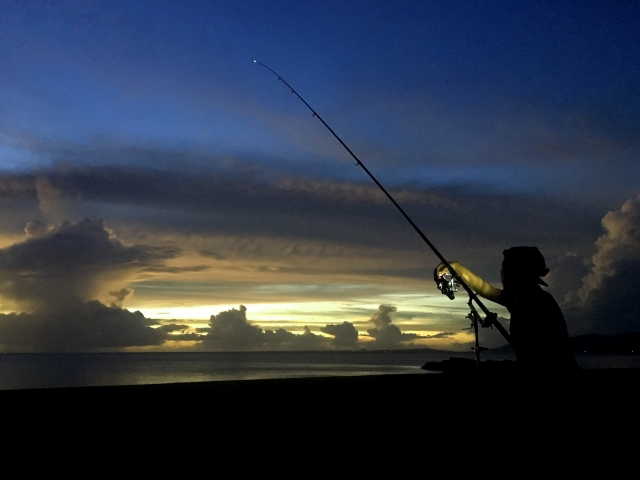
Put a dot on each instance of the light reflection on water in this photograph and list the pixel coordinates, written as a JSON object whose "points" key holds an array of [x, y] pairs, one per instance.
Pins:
{"points": [[20, 371]]}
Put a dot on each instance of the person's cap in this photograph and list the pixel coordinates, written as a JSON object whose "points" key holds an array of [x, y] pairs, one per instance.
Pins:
{"points": [[529, 261]]}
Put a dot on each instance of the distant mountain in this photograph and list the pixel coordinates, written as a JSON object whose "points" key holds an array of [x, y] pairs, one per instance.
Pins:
{"points": [[623, 343], [594, 343], [503, 349]]}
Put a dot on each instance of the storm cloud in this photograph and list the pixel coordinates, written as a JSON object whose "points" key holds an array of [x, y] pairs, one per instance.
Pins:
{"points": [[78, 327], [607, 301], [74, 262], [56, 274]]}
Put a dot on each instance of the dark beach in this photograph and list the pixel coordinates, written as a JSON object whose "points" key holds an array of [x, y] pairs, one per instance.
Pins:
{"points": [[401, 402]]}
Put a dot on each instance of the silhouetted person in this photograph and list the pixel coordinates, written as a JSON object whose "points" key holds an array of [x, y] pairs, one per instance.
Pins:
{"points": [[538, 329]]}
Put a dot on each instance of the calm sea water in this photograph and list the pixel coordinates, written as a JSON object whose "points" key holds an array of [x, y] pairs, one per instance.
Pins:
{"points": [[21, 371]]}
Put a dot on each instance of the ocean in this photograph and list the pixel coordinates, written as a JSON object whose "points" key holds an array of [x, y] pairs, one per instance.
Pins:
{"points": [[55, 370]]}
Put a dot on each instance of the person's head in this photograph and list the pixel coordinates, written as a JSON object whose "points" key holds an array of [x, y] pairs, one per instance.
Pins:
{"points": [[522, 267]]}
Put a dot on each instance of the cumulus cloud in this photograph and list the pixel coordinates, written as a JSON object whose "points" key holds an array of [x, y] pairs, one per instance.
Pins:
{"points": [[382, 318], [282, 339], [607, 301], [620, 244], [344, 334], [231, 331], [56, 274], [78, 327], [36, 229], [386, 334], [120, 295], [76, 261], [565, 277]]}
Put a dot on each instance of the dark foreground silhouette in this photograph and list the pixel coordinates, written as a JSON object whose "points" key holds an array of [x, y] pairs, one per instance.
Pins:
{"points": [[537, 331], [393, 404]]}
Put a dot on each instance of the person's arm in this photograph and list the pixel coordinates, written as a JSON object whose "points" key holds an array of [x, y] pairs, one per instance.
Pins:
{"points": [[477, 284]]}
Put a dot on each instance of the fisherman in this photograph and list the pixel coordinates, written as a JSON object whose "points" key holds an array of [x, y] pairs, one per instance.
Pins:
{"points": [[537, 324], [538, 329]]}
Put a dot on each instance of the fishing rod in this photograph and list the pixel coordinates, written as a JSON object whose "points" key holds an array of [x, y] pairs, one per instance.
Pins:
{"points": [[447, 284]]}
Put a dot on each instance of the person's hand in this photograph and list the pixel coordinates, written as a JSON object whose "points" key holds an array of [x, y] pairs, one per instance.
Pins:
{"points": [[440, 270]]}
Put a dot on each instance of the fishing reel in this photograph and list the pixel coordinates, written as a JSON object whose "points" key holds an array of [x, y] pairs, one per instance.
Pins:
{"points": [[447, 285]]}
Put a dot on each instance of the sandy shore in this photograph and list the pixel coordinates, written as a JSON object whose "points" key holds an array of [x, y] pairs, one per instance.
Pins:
{"points": [[363, 395], [381, 420]]}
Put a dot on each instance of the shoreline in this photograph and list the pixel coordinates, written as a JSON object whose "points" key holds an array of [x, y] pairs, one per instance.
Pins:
{"points": [[584, 377], [393, 404]]}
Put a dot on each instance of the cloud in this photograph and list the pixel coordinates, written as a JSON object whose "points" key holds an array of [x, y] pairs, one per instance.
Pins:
{"points": [[382, 318], [296, 230], [210, 254], [620, 244], [607, 301], [440, 335], [565, 277], [177, 332], [55, 204], [56, 274], [386, 334], [344, 334], [298, 206], [231, 331], [172, 327], [17, 186], [79, 327], [120, 296], [282, 339], [74, 262], [161, 268], [36, 229], [297, 218]]}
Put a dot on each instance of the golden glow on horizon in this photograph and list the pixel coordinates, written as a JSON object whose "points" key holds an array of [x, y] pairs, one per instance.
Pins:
{"points": [[324, 311], [293, 316], [291, 290]]}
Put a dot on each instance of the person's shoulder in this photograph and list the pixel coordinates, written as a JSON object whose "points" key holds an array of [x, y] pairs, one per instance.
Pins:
{"points": [[544, 295], [535, 296], [547, 301]]}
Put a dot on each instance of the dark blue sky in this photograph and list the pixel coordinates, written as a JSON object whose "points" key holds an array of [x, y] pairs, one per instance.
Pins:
{"points": [[514, 92]]}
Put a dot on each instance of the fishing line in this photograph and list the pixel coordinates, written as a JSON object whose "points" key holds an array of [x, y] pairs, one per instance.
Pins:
{"points": [[450, 287]]}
